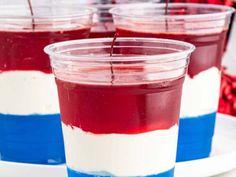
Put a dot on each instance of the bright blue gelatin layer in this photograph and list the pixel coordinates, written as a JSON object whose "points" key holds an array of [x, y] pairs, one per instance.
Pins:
{"points": [[31, 139], [72, 173], [195, 137]]}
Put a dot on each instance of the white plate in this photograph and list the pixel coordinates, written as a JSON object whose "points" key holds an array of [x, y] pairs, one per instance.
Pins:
{"points": [[223, 158]]}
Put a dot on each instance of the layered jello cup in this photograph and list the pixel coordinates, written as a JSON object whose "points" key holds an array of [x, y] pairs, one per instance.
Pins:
{"points": [[30, 129], [206, 27], [120, 113]]}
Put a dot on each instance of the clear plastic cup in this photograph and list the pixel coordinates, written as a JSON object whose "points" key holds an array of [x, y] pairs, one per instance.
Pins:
{"points": [[103, 25], [206, 27], [30, 128], [120, 114], [103, 22]]}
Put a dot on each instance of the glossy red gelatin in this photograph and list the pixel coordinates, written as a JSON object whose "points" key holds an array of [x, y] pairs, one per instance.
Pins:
{"points": [[101, 34], [209, 47], [23, 50], [124, 109]]}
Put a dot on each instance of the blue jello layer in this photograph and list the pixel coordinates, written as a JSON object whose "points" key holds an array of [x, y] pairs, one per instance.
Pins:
{"points": [[195, 137], [31, 139], [72, 173]]}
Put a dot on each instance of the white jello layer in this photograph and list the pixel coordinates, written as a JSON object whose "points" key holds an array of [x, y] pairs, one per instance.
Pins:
{"points": [[28, 92], [201, 93], [120, 154]]}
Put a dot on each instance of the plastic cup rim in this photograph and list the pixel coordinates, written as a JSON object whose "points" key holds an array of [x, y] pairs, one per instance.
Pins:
{"points": [[50, 50], [228, 11]]}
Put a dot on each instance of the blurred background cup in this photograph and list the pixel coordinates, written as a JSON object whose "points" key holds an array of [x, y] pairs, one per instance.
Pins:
{"points": [[227, 104], [103, 25], [231, 3], [206, 27], [30, 128], [120, 113], [103, 22]]}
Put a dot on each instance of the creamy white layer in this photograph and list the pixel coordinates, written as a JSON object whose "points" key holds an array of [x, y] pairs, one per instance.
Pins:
{"points": [[28, 92], [120, 154], [201, 93]]}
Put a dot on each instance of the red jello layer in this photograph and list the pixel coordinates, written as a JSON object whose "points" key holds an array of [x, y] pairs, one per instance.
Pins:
{"points": [[21, 50], [209, 47], [124, 109], [101, 34]]}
